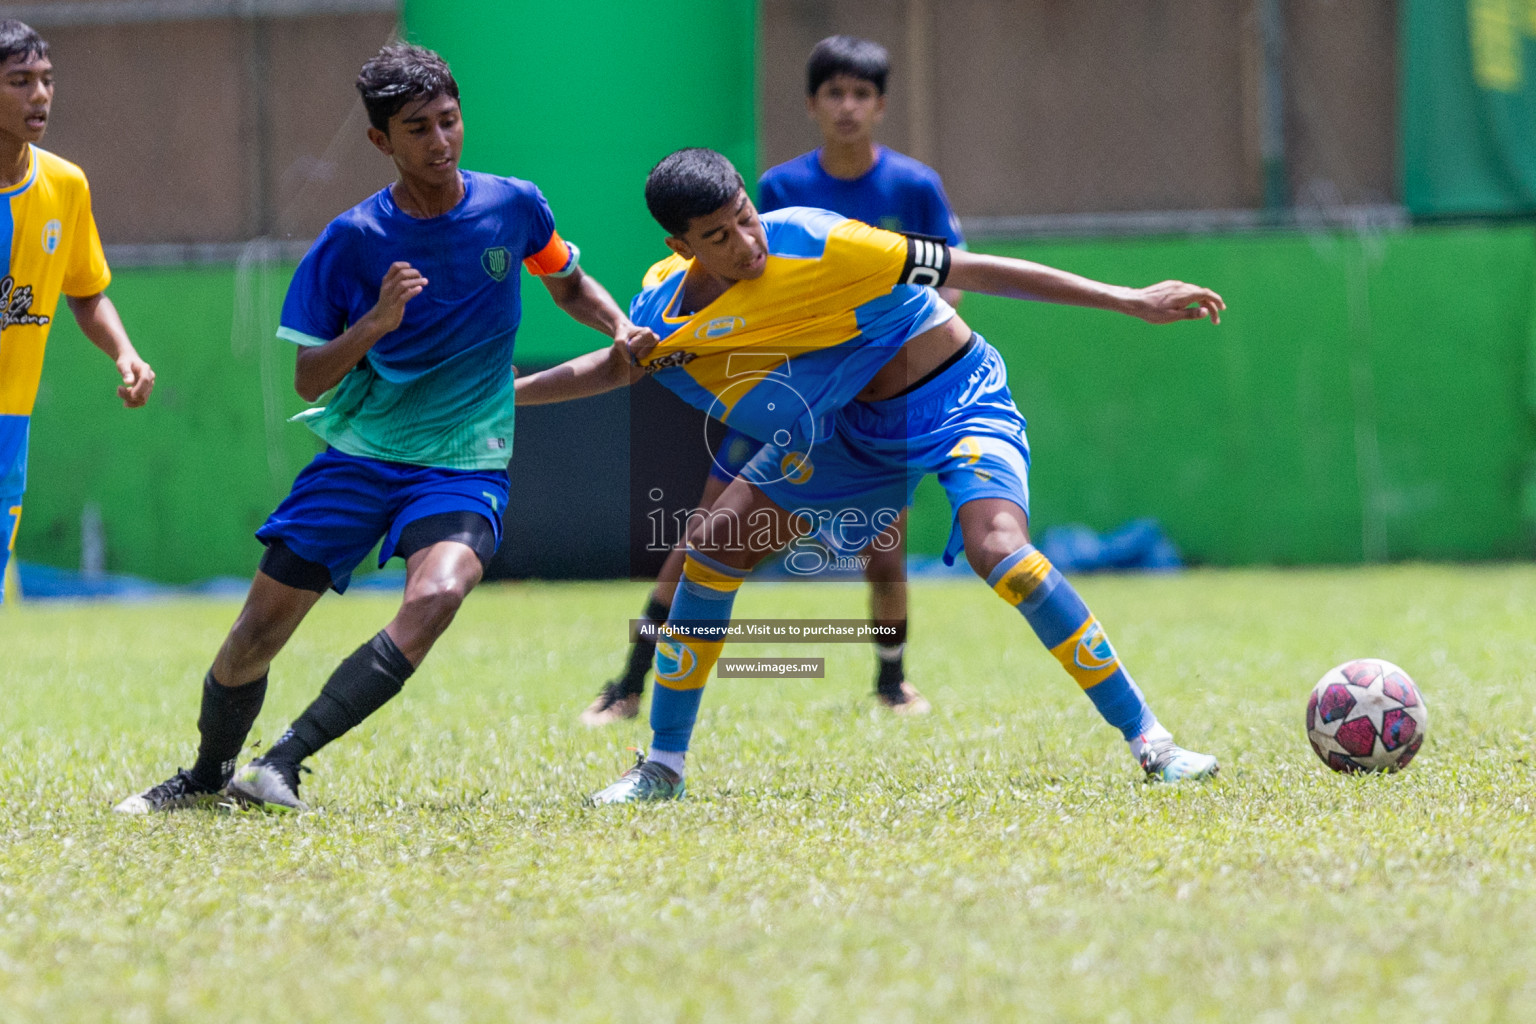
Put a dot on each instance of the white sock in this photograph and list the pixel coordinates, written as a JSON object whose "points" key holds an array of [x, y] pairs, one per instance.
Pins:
{"points": [[889, 652], [673, 759], [1146, 739]]}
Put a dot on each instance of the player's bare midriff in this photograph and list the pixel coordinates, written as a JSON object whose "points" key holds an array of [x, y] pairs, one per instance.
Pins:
{"points": [[917, 358]]}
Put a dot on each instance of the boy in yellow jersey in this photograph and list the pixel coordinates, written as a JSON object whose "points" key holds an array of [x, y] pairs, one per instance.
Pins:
{"points": [[852, 175], [826, 339], [48, 247]]}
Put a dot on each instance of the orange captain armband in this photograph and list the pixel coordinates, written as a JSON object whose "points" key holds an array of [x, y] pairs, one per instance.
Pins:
{"points": [[557, 259]]}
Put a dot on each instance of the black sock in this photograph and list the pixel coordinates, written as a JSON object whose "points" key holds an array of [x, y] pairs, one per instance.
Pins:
{"points": [[643, 649], [888, 657], [361, 684], [225, 720]]}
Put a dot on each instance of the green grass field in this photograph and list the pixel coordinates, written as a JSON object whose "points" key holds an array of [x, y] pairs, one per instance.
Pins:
{"points": [[997, 860]]}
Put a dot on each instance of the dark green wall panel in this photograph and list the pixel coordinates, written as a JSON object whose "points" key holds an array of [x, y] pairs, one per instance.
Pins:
{"points": [[583, 100]]}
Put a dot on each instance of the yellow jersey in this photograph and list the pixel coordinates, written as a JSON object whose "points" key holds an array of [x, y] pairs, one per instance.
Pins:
{"points": [[773, 357], [49, 244]]}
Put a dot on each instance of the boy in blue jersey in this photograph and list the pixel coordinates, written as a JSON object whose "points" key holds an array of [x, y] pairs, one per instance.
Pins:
{"points": [[48, 247], [852, 175], [866, 381], [408, 305]]}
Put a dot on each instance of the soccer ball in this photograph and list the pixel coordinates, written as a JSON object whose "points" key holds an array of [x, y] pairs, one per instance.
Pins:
{"points": [[1366, 716]]}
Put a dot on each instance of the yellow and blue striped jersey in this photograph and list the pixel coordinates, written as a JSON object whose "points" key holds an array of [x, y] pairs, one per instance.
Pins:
{"points": [[49, 245], [772, 357]]}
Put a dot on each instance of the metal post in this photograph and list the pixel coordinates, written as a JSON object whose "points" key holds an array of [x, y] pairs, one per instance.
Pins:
{"points": [[919, 77], [1272, 105], [258, 62]]}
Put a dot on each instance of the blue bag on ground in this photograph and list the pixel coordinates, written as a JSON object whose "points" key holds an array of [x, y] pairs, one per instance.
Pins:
{"points": [[1139, 544]]}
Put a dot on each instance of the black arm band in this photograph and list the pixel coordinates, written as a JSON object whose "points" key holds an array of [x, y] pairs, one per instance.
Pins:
{"points": [[927, 261]]}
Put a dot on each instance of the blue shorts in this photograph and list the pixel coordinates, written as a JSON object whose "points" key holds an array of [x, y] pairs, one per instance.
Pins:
{"points": [[732, 454], [962, 426], [342, 504]]}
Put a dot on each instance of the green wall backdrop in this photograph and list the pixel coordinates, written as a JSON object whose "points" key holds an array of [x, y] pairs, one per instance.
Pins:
{"points": [[1368, 396], [1364, 398], [181, 483]]}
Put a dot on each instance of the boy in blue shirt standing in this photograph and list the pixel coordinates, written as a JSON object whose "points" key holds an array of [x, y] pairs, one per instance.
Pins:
{"points": [[852, 175], [408, 305]]}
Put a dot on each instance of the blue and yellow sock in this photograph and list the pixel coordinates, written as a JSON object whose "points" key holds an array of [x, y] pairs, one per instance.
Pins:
{"points": [[1027, 580], [689, 647]]}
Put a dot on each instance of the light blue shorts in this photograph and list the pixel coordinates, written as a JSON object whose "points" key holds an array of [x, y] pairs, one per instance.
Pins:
{"points": [[961, 426]]}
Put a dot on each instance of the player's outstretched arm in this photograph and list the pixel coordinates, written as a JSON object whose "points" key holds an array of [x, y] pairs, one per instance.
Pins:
{"points": [[100, 323], [1162, 303], [321, 367], [592, 374], [583, 298]]}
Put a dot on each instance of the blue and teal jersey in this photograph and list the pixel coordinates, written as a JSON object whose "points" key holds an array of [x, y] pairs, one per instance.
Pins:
{"points": [[49, 247], [774, 357], [437, 390], [898, 193]]}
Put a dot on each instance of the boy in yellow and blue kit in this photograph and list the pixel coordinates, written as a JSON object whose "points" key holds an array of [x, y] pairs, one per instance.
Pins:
{"points": [[826, 339], [48, 247], [850, 174]]}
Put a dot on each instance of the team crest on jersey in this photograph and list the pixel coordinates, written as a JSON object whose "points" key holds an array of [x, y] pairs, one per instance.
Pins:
{"points": [[796, 467], [719, 327], [496, 261], [16, 305], [669, 360], [673, 660], [1093, 650], [52, 232]]}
